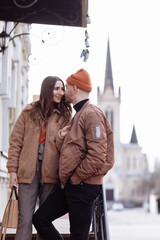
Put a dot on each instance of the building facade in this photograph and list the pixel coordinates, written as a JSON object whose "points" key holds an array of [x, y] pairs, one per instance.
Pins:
{"points": [[126, 182], [13, 95]]}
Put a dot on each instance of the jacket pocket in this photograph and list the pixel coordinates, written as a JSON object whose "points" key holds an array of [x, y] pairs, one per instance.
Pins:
{"points": [[81, 155], [70, 159], [21, 169]]}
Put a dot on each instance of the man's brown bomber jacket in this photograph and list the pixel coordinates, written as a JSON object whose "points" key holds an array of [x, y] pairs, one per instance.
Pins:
{"points": [[87, 152]]}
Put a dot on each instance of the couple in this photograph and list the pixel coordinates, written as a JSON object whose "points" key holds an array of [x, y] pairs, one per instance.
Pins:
{"points": [[84, 145]]}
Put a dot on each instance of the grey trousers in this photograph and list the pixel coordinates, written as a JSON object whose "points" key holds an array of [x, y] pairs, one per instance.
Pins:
{"points": [[28, 195]]}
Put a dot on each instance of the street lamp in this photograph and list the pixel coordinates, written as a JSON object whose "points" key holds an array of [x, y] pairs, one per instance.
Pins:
{"points": [[4, 41], [5, 37]]}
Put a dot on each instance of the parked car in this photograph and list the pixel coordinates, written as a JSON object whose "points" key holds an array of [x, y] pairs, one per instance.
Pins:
{"points": [[129, 205], [117, 206]]}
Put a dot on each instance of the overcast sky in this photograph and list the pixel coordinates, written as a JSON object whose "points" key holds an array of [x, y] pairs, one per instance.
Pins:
{"points": [[133, 29]]}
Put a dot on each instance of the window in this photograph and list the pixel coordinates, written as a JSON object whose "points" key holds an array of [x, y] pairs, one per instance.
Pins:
{"points": [[132, 192], [110, 194], [11, 119], [134, 163], [109, 116], [128, 163]]}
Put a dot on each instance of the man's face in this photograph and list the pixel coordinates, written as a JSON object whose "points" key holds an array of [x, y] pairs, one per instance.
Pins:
{"points": [[69, 93]]}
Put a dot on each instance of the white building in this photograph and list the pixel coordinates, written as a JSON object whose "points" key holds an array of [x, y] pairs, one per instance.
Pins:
{"points": [[13, 94], [126, 182]]}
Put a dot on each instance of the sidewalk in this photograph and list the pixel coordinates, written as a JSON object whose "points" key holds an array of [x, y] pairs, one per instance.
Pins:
{"points": [[129, 224], [62, 224], [134, 224]]}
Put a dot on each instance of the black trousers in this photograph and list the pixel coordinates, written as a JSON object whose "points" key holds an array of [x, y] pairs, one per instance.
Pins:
{"points": [[77, 200]]}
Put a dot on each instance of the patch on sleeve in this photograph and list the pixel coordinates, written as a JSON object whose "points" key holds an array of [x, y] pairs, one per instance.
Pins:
{"points": [[96, 132]]}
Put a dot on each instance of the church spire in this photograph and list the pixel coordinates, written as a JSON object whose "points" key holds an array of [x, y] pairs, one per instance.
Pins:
{"points": [[134, 136], [108, 74]]}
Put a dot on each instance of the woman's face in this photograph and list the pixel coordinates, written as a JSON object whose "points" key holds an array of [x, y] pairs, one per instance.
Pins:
{"points": [[58, 92]]}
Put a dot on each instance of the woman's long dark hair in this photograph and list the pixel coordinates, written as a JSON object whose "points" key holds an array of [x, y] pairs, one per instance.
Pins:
{"points": [[43, 108]]}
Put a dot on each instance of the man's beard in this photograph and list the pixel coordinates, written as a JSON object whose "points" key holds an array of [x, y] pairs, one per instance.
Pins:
{"points": [[67, 100]]}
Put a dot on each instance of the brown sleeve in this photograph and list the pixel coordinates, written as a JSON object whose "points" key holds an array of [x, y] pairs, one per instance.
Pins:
{"points": [[96, 141], [110, 151], [59, 141], [16, 142], [59, 138]]}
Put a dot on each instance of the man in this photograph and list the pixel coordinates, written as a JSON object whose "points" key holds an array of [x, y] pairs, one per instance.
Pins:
{"points": [[86, 156]]}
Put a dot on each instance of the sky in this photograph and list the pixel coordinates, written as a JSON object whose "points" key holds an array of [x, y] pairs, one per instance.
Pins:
{"points": [[133, 30]]}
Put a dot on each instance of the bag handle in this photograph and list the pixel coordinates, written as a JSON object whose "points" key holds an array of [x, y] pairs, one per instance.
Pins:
{"points": [[14, 192]]}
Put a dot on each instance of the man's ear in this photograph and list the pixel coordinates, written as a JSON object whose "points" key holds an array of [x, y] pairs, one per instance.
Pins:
{"points": [[75, 88]]}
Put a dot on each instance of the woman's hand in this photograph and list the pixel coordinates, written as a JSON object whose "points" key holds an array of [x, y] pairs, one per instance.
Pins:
{"points": [[13, 179], [64, 130]]}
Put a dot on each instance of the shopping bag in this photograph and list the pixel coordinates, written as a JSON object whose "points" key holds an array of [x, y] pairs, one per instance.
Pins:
{"points": [[10, 216]]}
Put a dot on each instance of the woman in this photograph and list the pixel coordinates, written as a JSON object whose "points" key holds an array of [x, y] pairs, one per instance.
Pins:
{"points": [[33, 156]]}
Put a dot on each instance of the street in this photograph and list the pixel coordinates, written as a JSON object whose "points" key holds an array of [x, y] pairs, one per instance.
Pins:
{"points": [[129, 224], [133, 224]]}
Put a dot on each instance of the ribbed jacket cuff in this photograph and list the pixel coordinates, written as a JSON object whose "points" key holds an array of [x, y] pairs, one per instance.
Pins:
{"points": [[10, 170], [76, 179]]}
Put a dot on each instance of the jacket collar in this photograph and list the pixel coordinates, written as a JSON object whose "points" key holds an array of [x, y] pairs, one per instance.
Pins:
{"points": [[80, 104], [77, 115]]}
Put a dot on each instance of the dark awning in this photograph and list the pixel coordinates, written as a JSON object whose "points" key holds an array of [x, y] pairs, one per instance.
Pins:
{"points": [[55, 12]]}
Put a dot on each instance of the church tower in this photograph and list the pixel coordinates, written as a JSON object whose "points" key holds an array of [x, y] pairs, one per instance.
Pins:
{"points": [[108, 101], [130, 163]]}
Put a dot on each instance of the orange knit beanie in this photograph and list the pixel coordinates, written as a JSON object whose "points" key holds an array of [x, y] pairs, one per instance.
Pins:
{"points": [[81, 79]]}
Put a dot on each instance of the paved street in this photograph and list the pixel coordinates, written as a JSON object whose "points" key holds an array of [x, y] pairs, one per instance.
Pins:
{"points": [[133, 224], [129, 224]]}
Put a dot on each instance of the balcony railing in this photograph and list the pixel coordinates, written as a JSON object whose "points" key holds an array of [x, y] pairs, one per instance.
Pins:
{"points": [[3, 160], [100, 221]]}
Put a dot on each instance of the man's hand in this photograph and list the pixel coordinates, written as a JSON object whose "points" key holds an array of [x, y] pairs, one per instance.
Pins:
{"points": [[75, 180], [13, 179], [64, 130]]}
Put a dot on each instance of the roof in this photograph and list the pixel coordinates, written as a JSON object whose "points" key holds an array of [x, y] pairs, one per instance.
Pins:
{"points": [[108, 75], [134, 136]]}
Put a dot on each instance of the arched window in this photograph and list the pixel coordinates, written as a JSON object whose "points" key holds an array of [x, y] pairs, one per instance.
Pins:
{"points": [[128, 163], [109, 116], [134, 162]]}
